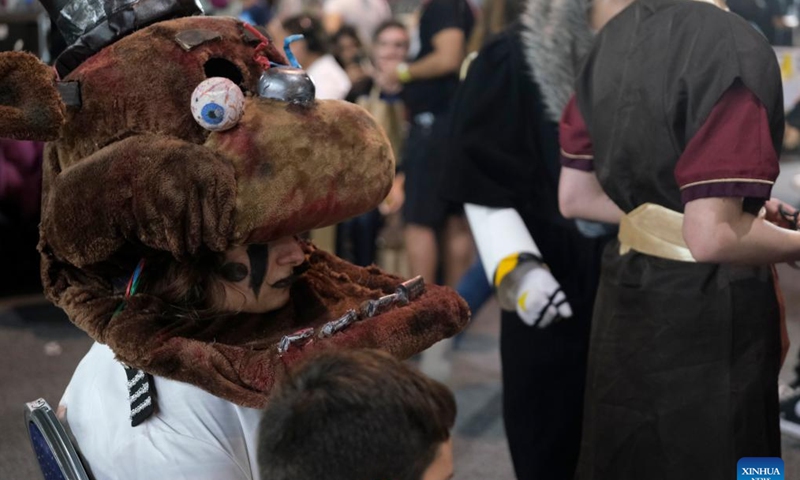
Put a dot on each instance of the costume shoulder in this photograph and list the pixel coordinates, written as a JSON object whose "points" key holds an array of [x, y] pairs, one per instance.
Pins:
{"points": [[484, 161], [715, 49], [692, 50]]}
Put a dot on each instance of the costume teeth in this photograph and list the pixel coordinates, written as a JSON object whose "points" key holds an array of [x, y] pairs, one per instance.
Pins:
{"points": [[297, 337], [405, 293], [331, 328]]}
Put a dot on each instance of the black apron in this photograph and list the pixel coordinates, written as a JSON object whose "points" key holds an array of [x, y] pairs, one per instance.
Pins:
{"points": [[684, 357]]}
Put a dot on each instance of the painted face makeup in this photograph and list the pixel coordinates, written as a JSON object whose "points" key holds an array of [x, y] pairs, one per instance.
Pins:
{"points": [[234, 272], [258, 278], [259, 256]]}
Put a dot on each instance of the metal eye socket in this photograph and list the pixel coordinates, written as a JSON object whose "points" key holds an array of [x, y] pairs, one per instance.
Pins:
{"points": [[217, 104], [287, 84]]}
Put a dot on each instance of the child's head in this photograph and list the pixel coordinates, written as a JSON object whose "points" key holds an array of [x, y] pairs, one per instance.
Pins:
{"points": [[357, 415]]}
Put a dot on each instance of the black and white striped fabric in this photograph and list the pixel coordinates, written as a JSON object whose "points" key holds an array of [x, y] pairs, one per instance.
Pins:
{"points": [[141, 395]]}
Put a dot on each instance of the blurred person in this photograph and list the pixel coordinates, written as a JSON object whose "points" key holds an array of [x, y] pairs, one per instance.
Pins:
{"points": [[256, 12], [20, 178], [474, 289], [349, 52], [433, 226], [495, 16], [428, 84], [356, 238], [20, 197], [503, 165], [390, 47], [314, 54], [364, 15], [688, 334], [357, 415]]}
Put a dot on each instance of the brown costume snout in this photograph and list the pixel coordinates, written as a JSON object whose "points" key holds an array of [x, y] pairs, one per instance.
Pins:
{"points": [[321, 164], [131, 164]]}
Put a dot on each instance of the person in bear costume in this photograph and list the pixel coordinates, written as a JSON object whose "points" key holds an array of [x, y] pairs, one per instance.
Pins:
{"points": [[185, 156]]}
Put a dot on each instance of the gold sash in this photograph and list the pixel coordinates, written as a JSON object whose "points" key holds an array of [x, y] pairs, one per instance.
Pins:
{"points": [[654, 230]]}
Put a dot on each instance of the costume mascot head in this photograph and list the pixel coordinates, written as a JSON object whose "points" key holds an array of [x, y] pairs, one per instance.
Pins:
{"points": [[185, 154]]}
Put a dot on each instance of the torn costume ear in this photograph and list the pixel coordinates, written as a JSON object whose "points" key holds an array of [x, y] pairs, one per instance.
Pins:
{"points": [[30, 105]]}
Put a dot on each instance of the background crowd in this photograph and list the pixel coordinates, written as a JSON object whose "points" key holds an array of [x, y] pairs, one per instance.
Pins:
{"points": [[400, 60]]}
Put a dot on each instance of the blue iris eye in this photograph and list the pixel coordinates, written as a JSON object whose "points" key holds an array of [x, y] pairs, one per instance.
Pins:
{"points": [[213, 113]]}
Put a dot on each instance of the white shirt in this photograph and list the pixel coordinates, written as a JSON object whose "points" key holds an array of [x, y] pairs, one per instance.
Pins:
{"points": [[330, 80], [193, 434], [364, 15]]}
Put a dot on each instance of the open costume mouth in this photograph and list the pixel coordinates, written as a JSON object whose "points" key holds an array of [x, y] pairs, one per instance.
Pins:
{"points": [[241, 357]]}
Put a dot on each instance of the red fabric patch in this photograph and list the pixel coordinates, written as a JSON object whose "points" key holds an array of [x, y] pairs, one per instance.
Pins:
{"points": [[732, 153], [259, 56], [576, 145]]}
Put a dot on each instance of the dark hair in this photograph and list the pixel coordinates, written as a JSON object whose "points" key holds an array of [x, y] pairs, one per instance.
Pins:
{"points": [[189, 287], [354, 415], [346, 31], [391, 23], [310, 27]]}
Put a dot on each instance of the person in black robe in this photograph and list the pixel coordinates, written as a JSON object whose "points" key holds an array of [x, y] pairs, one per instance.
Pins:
{"points": [[503, 157], [675, 133]]}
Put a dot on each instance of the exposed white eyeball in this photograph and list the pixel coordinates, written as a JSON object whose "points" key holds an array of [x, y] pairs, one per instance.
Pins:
{"points": [[217, 104]]}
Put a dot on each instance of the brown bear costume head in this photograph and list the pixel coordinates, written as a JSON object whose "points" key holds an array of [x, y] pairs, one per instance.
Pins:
{"points": [[130, 173]]}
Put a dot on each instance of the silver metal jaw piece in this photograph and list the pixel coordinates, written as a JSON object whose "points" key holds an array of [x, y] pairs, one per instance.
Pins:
{"points": [[297, 337], [407, 291], [335, 326], [411, 289]]}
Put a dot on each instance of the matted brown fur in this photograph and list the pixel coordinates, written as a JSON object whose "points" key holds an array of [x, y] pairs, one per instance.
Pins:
{"points": [[33, 112]]}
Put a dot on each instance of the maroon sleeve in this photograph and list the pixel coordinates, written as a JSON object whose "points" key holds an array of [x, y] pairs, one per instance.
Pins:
{"points": [[732, 154], [576, 145]]}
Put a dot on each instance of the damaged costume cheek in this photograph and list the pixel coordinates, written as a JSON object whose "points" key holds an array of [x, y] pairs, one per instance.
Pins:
{"points": [[258, 255]]}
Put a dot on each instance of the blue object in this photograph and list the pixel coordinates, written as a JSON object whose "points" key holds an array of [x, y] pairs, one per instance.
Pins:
{"points": [[47, 461], [57, 457], [137, 272], [474, 287], [288, 50], [213, 113], [758, 468]]}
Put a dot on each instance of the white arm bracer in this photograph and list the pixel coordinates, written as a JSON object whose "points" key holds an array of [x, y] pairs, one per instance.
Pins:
{"points": [[498, 233]]}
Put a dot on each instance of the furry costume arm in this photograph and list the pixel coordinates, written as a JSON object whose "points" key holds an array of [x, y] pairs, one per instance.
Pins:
{"points": [[157, 191], [30, 107]]}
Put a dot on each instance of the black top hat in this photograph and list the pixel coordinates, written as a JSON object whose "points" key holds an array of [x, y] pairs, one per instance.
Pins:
{"points": [[90, 25]]}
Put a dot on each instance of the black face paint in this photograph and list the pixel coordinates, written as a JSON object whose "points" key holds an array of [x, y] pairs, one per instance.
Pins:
{"points": [[259, 255], [234, 272]]}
